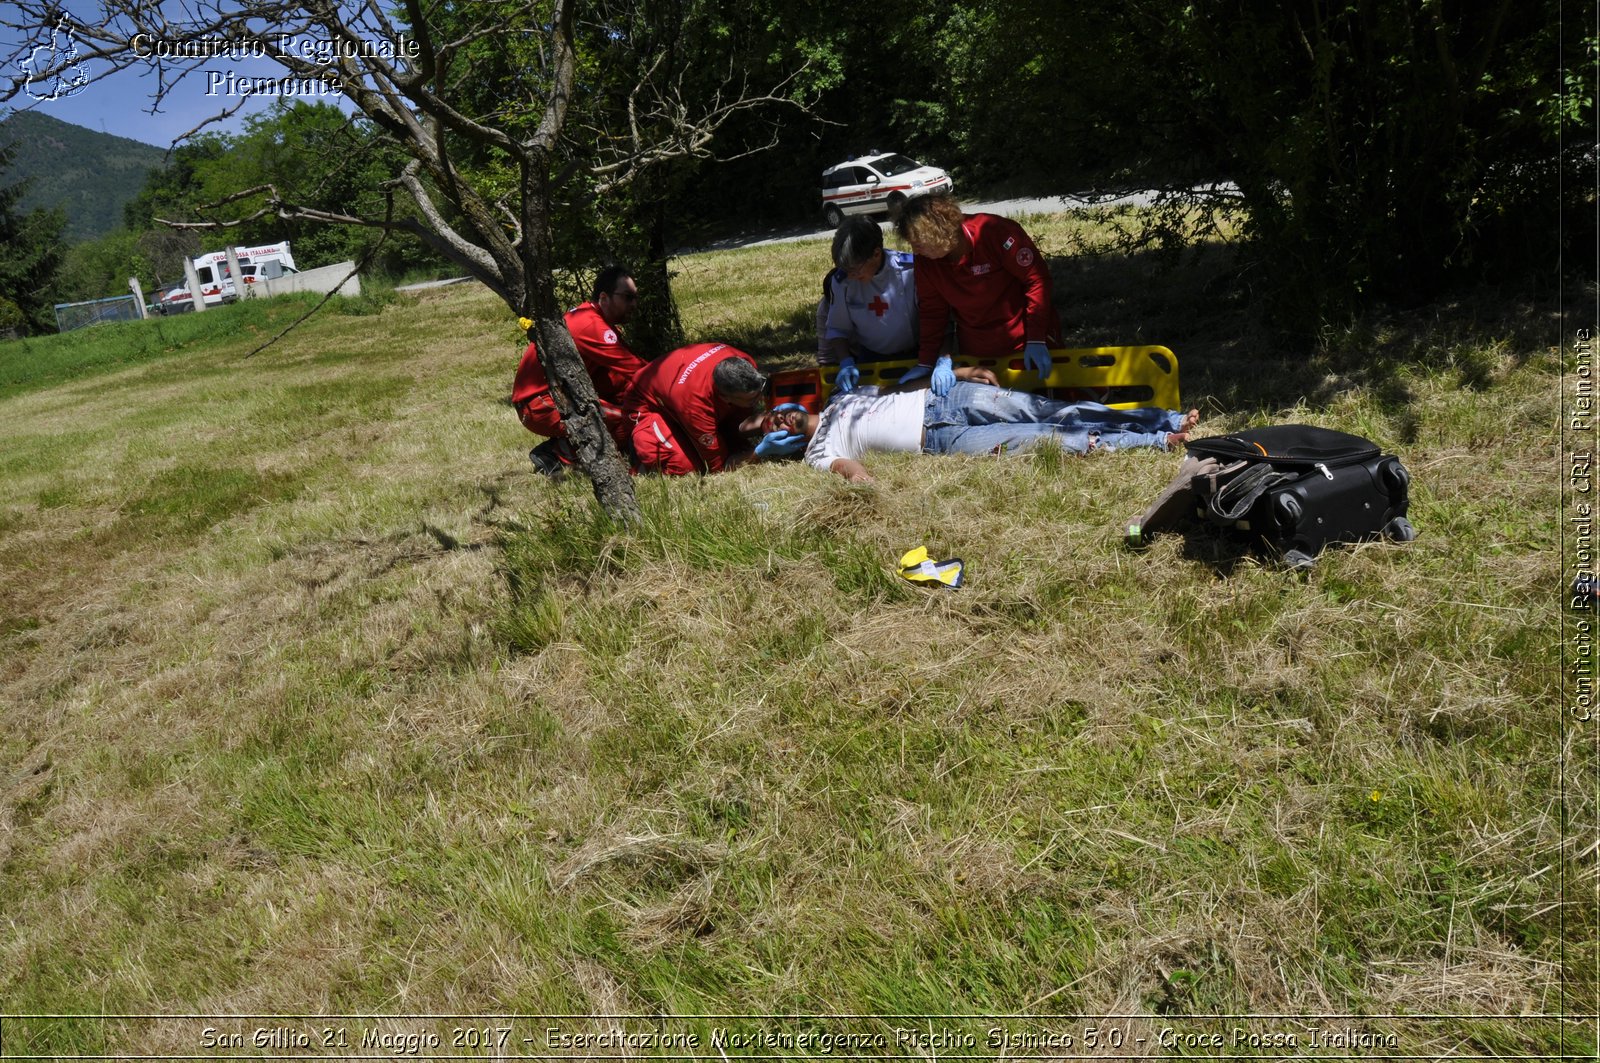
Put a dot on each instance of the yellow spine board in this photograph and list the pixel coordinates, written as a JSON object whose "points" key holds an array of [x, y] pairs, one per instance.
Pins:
{"points": [[1141, 376]]}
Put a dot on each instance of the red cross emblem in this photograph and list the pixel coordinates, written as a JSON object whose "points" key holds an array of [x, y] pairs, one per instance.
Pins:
{"points": [[878, 306]]}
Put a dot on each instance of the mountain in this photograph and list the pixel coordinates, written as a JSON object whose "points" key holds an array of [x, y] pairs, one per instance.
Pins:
{"points": [[89, 174]]}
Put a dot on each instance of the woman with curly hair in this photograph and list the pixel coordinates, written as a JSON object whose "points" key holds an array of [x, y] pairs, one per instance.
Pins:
{"points": [[985, 271]]}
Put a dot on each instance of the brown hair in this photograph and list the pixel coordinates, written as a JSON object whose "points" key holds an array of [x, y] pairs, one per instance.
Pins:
{"points": [[855, 241], [930, 221]]}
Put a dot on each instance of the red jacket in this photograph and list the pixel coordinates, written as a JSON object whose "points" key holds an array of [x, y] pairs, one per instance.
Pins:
{"points": [[611, 365], [1000, 293], [679, 388]]}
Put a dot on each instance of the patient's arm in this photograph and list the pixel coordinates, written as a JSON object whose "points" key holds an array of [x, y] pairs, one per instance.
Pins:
{"points": [[851, 470], [975, 374]]}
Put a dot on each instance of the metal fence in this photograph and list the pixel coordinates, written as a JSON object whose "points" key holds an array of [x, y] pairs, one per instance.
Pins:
{"points": [[96, 312]]}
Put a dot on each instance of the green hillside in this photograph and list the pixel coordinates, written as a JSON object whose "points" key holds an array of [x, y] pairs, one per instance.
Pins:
{"points": [[91, 175]]}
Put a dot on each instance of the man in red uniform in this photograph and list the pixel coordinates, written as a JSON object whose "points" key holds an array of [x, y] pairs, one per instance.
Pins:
{"points": [[986, 271], [685, 411], [611, 365]]}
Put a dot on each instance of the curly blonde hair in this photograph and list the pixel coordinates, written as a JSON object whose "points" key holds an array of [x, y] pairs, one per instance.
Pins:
{"points": [[930, 224]]}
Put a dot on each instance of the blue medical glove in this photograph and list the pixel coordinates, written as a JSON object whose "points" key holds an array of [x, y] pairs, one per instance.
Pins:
{"points": [[849, 376], [1036, 356], [780, 407], [944, 376], [780, 444]]}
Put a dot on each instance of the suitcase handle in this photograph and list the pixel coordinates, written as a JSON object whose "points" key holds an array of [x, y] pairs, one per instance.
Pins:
{"points": [[1234, 499]]}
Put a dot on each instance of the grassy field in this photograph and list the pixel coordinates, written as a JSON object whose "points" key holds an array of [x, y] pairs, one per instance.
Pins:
{"points": [[314, 698]]}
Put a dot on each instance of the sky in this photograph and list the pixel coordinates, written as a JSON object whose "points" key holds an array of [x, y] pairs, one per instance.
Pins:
{"points": [[121, 102]]}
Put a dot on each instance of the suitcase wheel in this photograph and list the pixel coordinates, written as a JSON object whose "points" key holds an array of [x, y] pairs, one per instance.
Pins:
{"points": [[1298, 560], [1287, 510], [1400, 530], [1396, 479]]}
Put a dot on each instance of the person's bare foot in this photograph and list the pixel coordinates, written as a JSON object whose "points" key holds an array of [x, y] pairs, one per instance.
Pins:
{"points": [[1190, 419], [1176, 438]]}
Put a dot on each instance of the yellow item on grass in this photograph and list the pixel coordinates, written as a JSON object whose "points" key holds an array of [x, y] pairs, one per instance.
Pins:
{"points": [[918, 567]]}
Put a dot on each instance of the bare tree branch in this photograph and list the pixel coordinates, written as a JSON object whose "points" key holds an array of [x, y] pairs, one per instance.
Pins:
{"points": [[481, 165], [355, 270]]}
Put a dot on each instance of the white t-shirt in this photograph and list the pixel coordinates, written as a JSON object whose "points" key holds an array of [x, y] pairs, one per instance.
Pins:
{"points": [[864, 420]]}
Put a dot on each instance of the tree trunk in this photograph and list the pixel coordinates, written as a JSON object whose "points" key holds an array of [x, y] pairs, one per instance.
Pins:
{"points": [[655, 326], [596, 452]]}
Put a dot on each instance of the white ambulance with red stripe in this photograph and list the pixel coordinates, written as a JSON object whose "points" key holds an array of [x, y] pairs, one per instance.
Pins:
{"points": [[267, 262], [877, 182]]}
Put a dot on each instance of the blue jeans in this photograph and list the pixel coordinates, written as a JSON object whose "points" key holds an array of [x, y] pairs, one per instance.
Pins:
{"points": [[981, 419]]}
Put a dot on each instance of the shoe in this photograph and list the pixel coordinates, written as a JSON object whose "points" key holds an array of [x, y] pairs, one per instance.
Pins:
{"points": [[546, 458]]}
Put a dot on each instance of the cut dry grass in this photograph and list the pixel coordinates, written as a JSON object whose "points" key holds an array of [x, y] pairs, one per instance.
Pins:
{"points": [[314, 698]]}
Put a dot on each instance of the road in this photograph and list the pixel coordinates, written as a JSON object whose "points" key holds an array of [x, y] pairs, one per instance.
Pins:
{"points": [[1008, 208]]}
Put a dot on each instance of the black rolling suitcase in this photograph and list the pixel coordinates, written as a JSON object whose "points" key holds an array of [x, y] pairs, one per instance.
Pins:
{"points": [[1296, 487]]}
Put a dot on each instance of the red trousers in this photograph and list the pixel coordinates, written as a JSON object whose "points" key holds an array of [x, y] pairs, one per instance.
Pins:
{"points": [[540, 416], [659, 449]]}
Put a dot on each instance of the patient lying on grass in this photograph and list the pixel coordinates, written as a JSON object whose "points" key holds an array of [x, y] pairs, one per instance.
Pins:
{"points": [[975, 417]]}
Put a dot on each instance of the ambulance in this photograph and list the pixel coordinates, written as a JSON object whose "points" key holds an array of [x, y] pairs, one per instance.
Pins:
{"points": [[217, 286], [877, 182]]}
